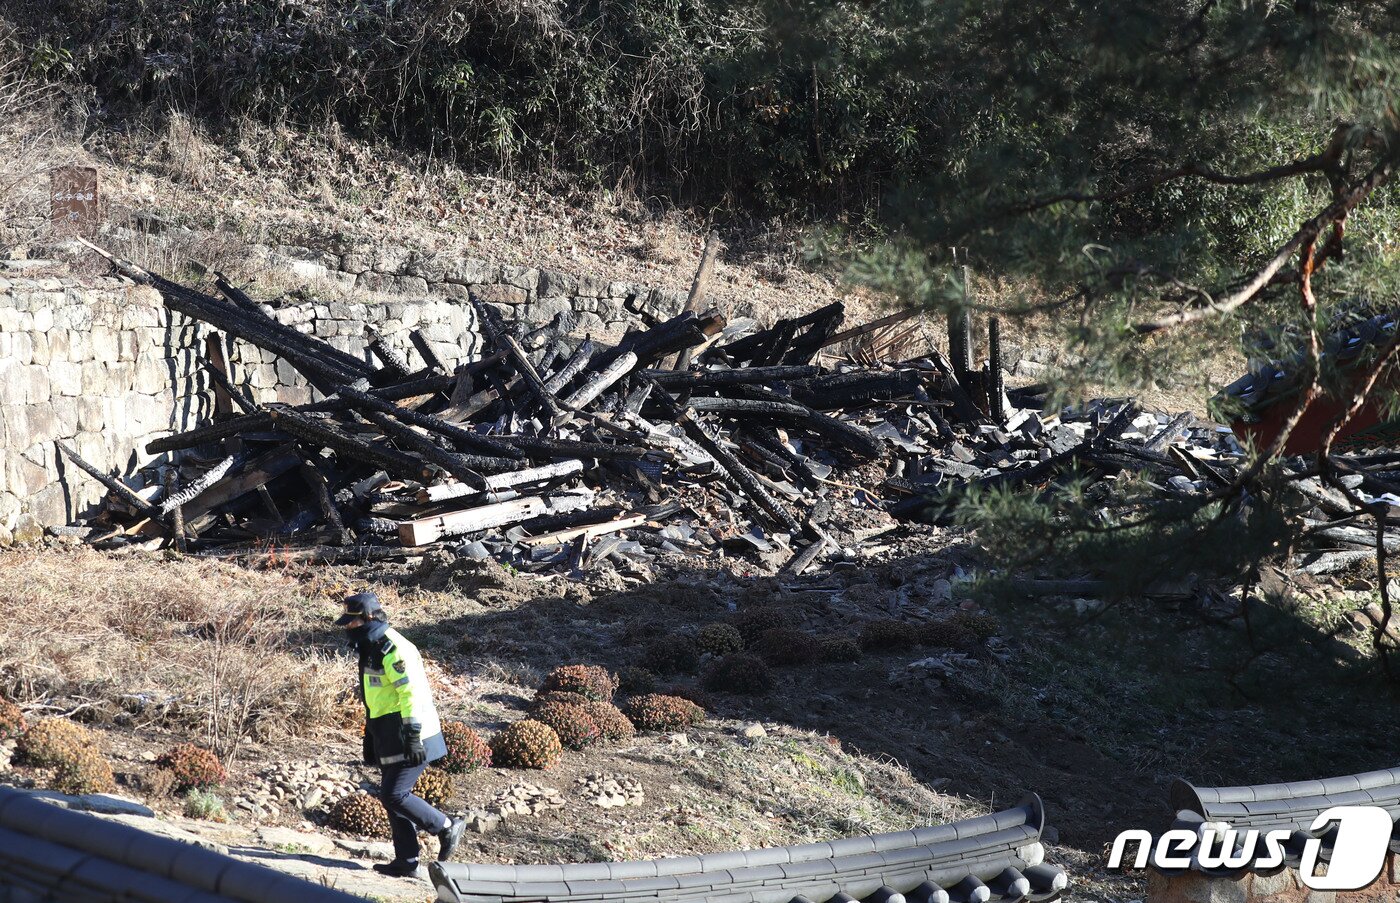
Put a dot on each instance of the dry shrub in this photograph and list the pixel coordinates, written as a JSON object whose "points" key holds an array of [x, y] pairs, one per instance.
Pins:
{"points": [[87, 771], [946, 634], [466, 751], [360, 814], [526, 744], [754, 622], [33, 140], [592, 681], [11, 720], [672, 654], [655, 712], [979, 624], [740, 673], [435, 787], [183, 644], [559, 696], [193, 767], [157, 783], [574, 725], [612, 724], [719, 639], [52, 741]]}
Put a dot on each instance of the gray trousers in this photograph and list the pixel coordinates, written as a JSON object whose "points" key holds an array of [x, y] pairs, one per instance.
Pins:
{"points": [[407, 813]]}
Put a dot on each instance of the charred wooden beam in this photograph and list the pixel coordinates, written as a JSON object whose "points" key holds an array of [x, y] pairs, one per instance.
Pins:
{"points": [[843, 390], [322, 432], [115, 486], [197, 486], [846, 435], [571, 368], [526, 368], [212, 432], [460, 436], [599, 382], [256, 472], [427, 449], [225, 392], [695, 301], [177, 513], [425, 351], [395, 364], [320, 491], [996, 377], [501, 481], [311, 344], [709, 379], [541, 448]]}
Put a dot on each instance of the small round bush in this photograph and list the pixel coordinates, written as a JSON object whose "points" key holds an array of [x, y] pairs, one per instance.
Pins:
{"points": [[205, 806], [946, 634], [593, 681], [52, 741], [560, 696], [11, 720], [740, 673], [361, 814], [158, 783], [194, 767], [719, 639], [434, 787], [526, 744], [634, 680], [887, 636], [672, 654], [466, 751], [784, 646], [86, 771], [752, 622], [980, 624], [575, 727], [839, 649], [655, 712], [612, 724]]}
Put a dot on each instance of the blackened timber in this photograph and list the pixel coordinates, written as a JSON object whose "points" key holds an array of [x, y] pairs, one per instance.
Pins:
{"points": [[841, 390], [325, 433], [115, 486], [539, 447], [996, 378], [426, 352], [752, 489], [225, 390], [847, 435], [427, 449], [247, 478], [460, 436], [571, 368], [675, 379], [216, 362], [395, 364], [316, 481], [197, 486], [602, 380], [312, 344], [676, 334], [177, 514], [223, 429], [526, 368]]}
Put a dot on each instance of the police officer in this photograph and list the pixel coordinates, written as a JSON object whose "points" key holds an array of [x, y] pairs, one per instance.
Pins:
{"points": [[402, 731]]}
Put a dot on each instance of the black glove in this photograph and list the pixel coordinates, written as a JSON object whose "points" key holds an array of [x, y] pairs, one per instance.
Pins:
{"points": [[368, 747], [413, 751]]}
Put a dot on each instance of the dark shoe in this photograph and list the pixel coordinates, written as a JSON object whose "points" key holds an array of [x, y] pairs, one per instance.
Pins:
{"points": [[397, 869], [449, 837]]}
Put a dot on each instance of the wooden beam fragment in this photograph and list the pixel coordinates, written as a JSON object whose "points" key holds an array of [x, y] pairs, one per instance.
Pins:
{"points": [[430, 529]]}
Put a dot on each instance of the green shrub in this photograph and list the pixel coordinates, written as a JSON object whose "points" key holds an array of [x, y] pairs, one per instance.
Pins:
{"points": [[574, 725], [206, 806], [655, 712], [784, 646], [52, 741], [612, 724], [11, 720], [753, 622], [194, 767], [635, 680], [360, 814], [719, 639], [526, 744], [740, 673], [839, 649], [888, 635], [466, 751], [672, 654], [592, 681]]}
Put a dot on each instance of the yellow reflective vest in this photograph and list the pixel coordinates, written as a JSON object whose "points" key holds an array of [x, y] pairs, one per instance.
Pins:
{"points": [[396, 693]]}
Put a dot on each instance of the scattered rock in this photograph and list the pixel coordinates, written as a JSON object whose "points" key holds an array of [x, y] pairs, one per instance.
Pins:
{"points": [[289, 840], [755, 731], [526, 799], [481, 821], [367, 849], [610, 791]]}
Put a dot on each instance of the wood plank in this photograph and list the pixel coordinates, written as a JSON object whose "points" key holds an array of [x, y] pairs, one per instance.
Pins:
{"points": [[558, 537], [258, 472], [430, 529], [499, 481]]}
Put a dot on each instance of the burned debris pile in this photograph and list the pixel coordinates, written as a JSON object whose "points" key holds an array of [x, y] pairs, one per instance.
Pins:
{"points": [[694, 436]]}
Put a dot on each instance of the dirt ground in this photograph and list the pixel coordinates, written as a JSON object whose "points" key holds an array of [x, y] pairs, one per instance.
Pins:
{"points": [[1097, 711]]}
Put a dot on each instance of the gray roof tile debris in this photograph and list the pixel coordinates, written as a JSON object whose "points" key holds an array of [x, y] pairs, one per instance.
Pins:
{"points": [[52, 853], [996, 857]]}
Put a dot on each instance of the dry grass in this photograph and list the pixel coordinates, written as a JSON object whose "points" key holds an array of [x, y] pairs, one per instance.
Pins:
{"points": [[195, 646]]}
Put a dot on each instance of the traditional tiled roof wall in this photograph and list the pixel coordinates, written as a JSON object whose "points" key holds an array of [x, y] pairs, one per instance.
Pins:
{"points": [[1293, 806], [995, 857], [49, 853]]}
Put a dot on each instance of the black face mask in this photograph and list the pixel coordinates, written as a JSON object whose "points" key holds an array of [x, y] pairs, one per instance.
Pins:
{"points": [[368, 637]]}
